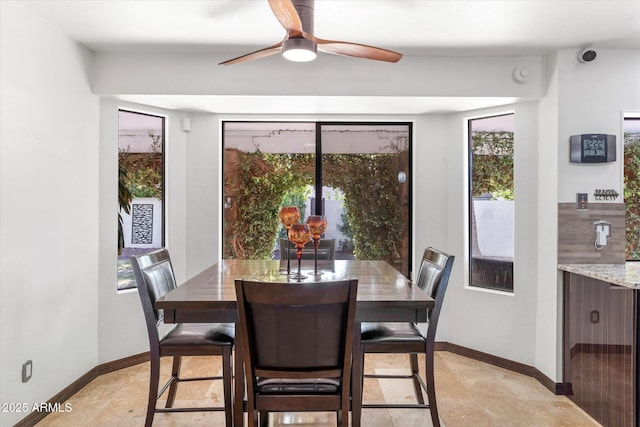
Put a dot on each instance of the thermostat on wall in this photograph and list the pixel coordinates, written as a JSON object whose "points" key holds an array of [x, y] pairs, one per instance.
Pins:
{"points": [[592, 148]]}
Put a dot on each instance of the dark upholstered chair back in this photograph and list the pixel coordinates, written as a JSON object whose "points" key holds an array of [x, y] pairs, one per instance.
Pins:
{"points": [[297, 326], [431, 269], [297, 342], [326, 249], [433, 277], [154, 277], [330, 245]]}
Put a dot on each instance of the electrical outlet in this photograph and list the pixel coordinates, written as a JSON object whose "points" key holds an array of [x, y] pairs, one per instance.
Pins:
{"points": [[27, 370]]}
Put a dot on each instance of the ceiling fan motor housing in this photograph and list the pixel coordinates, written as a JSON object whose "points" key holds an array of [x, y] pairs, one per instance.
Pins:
{"points": [[304, 9], [305, 12]]}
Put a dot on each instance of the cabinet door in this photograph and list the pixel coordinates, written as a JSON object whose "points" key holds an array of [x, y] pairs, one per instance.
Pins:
{"points": [[600, 348]]}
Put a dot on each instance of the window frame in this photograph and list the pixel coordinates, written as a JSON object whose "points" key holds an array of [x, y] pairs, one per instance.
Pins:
{"points": [[163, 208], [496, 264], [318, 158]]}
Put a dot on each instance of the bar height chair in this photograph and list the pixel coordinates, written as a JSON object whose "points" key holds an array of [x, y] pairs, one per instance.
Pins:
{"points": [[154, 278], [297, 342], [433, 277]]}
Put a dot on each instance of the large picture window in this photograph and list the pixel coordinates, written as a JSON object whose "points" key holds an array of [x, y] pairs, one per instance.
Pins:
{"points": [[355, 174], [140, 189], [491, 202], [632, 186]]}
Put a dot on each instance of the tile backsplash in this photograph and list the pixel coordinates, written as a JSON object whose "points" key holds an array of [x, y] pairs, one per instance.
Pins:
{"points": [[576, 235]]}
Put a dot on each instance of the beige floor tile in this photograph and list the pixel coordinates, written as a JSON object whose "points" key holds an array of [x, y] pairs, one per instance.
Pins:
{"points": [[469, 392]]}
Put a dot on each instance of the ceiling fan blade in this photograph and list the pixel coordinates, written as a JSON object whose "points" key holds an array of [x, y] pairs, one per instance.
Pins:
{"points": [[355, 49], [262, 53], [286, 14]]}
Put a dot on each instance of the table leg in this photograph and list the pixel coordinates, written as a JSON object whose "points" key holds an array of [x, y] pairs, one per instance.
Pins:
{"points": [[357, 377], [238, 385]]}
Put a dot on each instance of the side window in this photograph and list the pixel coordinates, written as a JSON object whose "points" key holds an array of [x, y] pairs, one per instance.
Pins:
{"points": [[632, 186], [140, 189], [491, 202]]}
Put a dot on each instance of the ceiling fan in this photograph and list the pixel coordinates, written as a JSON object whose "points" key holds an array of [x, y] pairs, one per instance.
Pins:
{"points": [[300, 45]]}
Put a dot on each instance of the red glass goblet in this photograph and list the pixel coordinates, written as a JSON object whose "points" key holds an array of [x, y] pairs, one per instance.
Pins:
{"points": [[300, 235], [288, 216], [318, 225]]}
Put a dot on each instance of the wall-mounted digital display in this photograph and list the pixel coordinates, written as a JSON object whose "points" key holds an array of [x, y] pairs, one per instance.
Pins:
{"points": [[592, 148]]}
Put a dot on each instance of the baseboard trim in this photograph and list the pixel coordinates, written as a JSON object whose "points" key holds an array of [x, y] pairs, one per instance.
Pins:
{"points": [[521, 368], [116, 365], [66, 393]]}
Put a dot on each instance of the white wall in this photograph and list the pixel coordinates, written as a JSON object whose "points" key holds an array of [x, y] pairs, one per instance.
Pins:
{"points": [[548, 336], [433, 187], [203, 194], [49, 209]]}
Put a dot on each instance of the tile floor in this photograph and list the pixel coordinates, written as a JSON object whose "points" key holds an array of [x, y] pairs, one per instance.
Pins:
{"points": [[470, 393]]}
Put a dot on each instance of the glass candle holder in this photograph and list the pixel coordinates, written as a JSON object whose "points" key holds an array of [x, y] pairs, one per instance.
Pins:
{"points": [[288, 216], [300, 235], [317, 225]]}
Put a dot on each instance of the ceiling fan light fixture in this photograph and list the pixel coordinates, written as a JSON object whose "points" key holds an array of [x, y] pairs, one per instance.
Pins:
{"points": [[300, 45], [299, 50]]}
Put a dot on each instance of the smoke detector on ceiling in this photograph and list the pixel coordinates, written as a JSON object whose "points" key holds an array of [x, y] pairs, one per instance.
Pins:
{"points": [[521, 75]]}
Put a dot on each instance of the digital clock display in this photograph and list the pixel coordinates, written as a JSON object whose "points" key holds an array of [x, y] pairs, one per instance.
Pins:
{"points": [[592, 148]]}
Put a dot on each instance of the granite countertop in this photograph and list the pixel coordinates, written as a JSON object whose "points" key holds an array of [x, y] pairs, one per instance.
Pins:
{"points": [[627, 274]]}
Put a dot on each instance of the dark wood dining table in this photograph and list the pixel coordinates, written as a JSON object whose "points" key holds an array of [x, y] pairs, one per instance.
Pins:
{"points": [[384, 295]]}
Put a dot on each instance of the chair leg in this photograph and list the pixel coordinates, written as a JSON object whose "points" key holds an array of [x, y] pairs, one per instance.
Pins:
{"points": [[264, 419], [344, 417], [175, 373], [154, 379], [227, 374], [252, 418], [238, 382], [357, 378], [431, 386], [415, 373]]}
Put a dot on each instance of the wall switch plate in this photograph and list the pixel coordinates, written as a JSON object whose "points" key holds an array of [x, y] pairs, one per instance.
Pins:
{"points": [[582, 200], [27, 370]]}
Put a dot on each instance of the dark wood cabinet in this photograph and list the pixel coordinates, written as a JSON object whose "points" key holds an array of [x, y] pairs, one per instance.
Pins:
{"points": [[600, 343]]}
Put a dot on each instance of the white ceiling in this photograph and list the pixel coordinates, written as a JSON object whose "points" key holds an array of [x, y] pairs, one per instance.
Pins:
{"points": [[412, 27]]}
